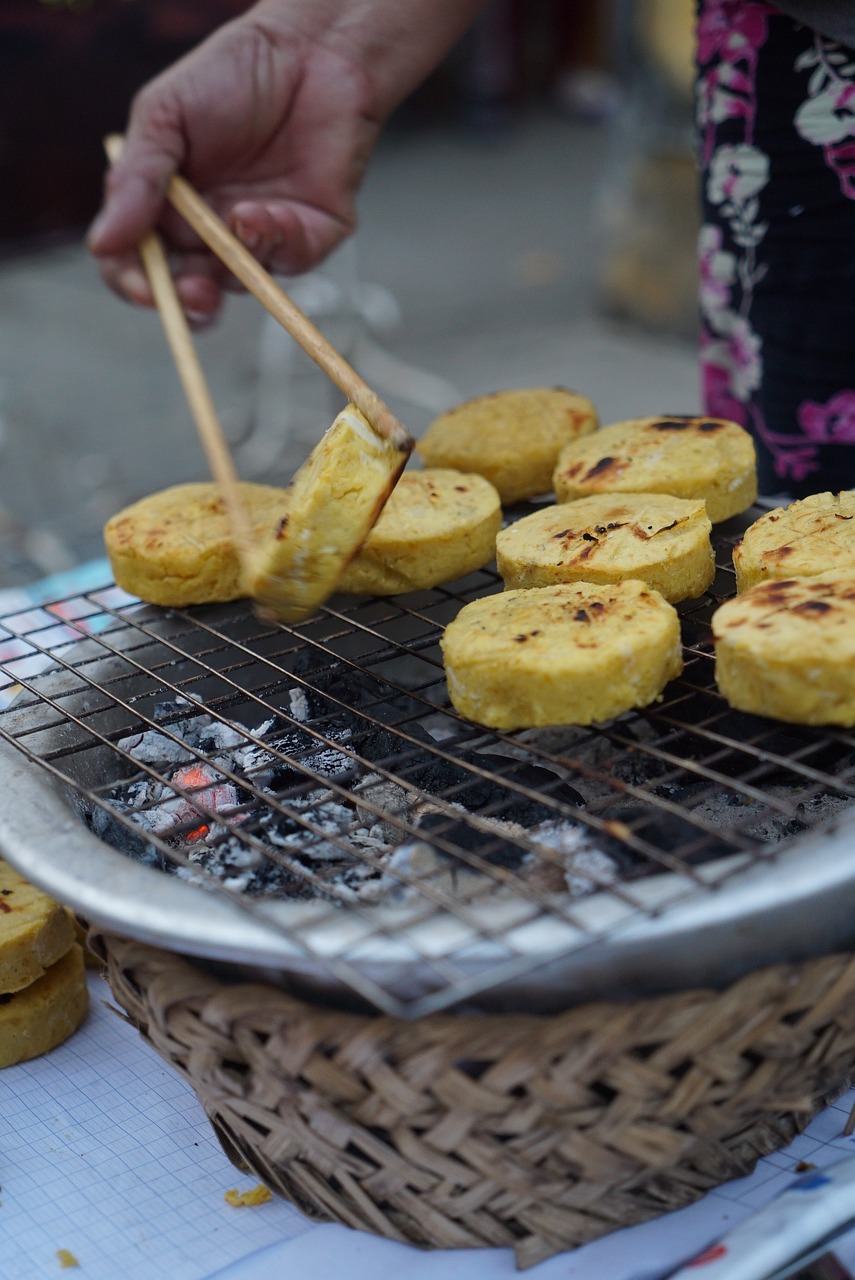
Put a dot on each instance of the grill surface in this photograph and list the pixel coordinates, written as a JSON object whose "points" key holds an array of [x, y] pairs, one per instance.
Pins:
{"points": [[686, 793]]}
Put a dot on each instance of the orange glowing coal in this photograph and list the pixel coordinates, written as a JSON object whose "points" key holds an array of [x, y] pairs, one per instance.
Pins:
{"points": [[197, 778]]}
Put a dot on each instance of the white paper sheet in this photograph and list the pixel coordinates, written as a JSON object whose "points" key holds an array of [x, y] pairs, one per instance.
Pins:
{"points": [[105, 1152]]}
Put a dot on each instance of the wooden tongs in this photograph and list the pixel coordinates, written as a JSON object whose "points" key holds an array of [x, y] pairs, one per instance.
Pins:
{"points": [[326, 521]]}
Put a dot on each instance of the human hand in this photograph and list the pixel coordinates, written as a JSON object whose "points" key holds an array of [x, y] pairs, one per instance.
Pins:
{"points": [[274, 131], [273, 120]]}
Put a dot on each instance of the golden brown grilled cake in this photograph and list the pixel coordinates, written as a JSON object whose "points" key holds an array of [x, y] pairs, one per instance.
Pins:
{"points": [[664, 541], [815, 535], [436, 526], [786, 649], [575, 653], [35, 931], [513, 438], [707, 458], [333, 502], [177, 547], [46, 1012]]}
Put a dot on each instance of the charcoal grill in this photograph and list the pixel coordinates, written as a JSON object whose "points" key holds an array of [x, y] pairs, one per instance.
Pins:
{"points": [[723, 841]]}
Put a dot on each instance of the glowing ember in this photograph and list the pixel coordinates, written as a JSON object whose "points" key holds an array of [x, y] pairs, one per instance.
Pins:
{"points": [[201, 782]]}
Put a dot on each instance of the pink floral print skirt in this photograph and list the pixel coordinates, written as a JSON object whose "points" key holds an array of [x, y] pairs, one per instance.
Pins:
{"points": [[776, 134]]}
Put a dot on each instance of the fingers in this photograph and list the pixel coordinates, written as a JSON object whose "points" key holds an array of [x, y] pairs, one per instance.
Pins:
{"points": [[285, 237], [198, 283]]}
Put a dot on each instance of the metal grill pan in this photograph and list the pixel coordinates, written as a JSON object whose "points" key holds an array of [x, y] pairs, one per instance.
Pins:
{"points": [[722, 841]]}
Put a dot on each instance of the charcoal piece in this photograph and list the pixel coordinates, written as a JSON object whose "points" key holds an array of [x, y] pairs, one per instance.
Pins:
{"points": [[672, 835], [272, 770], [491, 846], [637, 768], [149, 746], [108, 828], [387, 749], [350, 686], [534, 776], [443, 778], [171, 709]]}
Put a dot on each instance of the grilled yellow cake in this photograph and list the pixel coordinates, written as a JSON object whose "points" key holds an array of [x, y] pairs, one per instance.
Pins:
{"points": [[708, 458], [664, 541], [45, 1013], [35, 931], [574, 653], [436, 526], [333, 502], [513, 438], [815, 535], [786, 649], [177, 547]]}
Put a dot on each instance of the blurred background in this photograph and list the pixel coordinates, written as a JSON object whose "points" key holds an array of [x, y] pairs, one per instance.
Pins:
{"points": [[530, 218]]}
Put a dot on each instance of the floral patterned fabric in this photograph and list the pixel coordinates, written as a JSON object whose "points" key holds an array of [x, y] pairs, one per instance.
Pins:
{"points": [[776, 133]]}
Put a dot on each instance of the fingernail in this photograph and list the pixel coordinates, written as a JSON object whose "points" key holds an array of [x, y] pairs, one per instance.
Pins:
{"points": [[133, 284], [249, 236]]}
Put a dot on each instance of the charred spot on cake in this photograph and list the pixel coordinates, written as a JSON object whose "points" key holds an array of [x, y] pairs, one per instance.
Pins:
{"points": [[676, 423], [813, 606], [601, 468], [776, 591], [644, 535], [281, 527], [781, 553], [581, 615], [838, 515]]}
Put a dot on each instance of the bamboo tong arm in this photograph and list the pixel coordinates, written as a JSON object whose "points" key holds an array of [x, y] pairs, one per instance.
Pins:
{"points": [[192, 377], [256, 280]]}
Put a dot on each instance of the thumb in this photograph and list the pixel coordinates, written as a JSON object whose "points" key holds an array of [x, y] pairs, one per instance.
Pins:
{"points": [[135, 186]]}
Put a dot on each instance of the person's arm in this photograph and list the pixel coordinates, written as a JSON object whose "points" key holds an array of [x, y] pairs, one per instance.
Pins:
{"points": [[273, 118]]}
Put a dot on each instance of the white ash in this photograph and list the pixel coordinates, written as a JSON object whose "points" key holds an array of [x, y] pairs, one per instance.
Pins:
{"points": [[298, 705], [392, 799], [235, 865], [757, 820], [585, 866], [329, 819], [155, 748]]}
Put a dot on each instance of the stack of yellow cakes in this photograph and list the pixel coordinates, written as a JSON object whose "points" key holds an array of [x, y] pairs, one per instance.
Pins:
{"points": [[43, 993]]}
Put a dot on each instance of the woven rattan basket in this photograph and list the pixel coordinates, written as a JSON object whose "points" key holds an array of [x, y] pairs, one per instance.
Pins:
{"points": [[537, 1133]]}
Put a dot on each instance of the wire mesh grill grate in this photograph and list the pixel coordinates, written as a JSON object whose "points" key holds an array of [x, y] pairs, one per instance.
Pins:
{"points": [[324, 764]]}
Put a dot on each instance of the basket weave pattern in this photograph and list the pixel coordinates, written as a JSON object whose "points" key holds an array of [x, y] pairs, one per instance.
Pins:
{"points": [[534, 1132]]}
